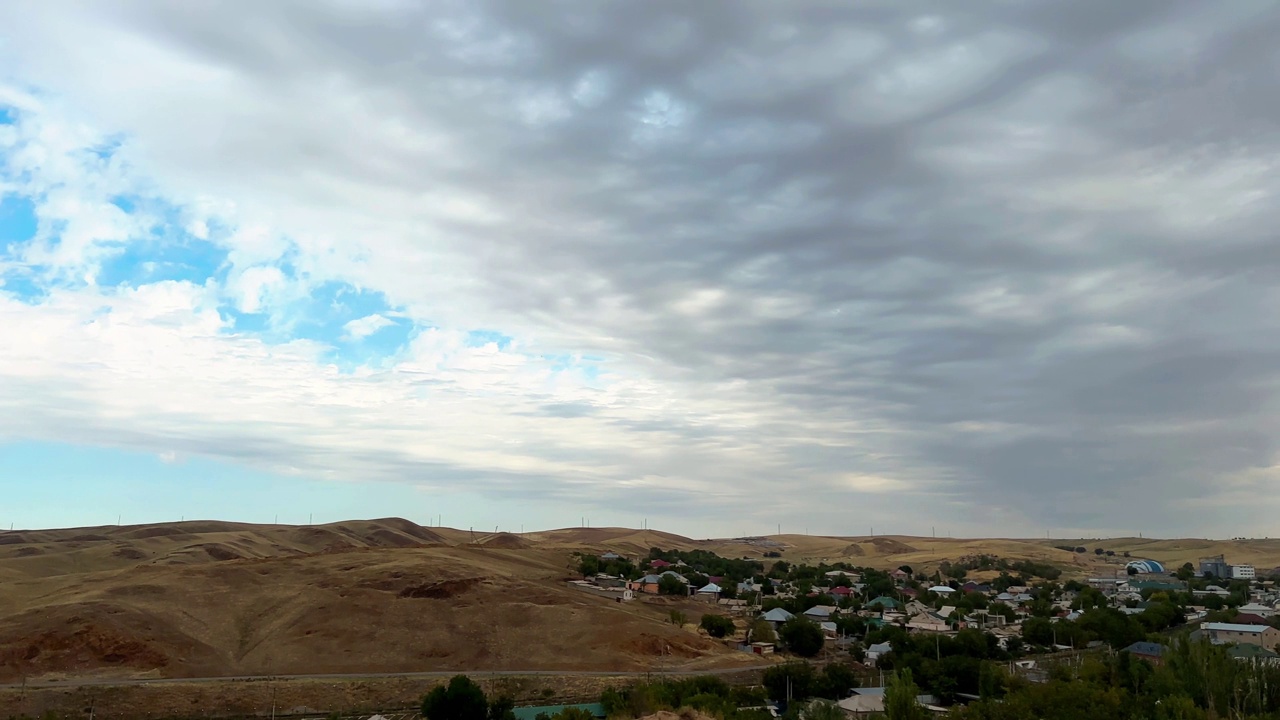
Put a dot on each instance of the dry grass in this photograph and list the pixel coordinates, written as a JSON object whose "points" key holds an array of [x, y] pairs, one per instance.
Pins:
{"points": [[377, 596]]}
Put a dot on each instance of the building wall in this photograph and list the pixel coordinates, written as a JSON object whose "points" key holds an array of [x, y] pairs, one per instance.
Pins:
{"points": [[1268, 638], [1242, 572]]}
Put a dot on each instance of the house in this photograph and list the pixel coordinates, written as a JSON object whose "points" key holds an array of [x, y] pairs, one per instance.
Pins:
{"points": [[761, 648], [876, 651], [885, 603], [735, 607], [710, 591], [841, 593], [836, 574], [829, 630], [1222, 633], [900, 576], [649, 583], [646, 584], [928, 622], [915, 607], [1149, 651], [1249, 619], [1254, 654], [972, 586], [909, 592], [865, 702], [659, 564], [821, 613], [947, 611], [942, 590], [747, 587], [1258, 609], [611, 556], [776, 617]]}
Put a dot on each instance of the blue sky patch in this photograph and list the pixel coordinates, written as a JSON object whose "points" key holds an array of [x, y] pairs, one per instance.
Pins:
{"points": [[22, 285], [480, 338], [7, 116], [142, 263], [18, 221]]}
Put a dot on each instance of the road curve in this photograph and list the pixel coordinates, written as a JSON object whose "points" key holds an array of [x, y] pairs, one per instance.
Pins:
{"points": [[118, 682]]}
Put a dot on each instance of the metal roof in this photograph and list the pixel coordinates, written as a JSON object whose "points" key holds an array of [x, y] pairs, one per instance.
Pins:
{"points": [[1235, 627]]}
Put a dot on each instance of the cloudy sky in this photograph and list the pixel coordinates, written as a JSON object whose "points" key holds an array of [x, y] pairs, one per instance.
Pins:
{"points": [[994, 268]]}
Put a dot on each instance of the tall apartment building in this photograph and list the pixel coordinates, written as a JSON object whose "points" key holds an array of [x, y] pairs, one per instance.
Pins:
{"points": [[1243, 572]]}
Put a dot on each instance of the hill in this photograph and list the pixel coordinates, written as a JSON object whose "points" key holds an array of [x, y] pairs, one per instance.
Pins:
{"points": [[204, 599]]}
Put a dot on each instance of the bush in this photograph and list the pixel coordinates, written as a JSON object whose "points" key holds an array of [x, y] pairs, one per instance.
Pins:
{"points": [[671, 585], [717, 626], [677, 618]]}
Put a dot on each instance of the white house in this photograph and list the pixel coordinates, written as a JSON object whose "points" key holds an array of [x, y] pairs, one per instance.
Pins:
{"points": [[875, 651], [1258, 609], [942, 590]]}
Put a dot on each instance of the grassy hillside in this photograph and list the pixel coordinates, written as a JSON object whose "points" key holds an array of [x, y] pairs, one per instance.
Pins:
{"points": [[210, 599]]}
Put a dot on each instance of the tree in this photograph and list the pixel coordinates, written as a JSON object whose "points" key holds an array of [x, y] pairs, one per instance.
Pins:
{"points": [[677, 618], [801, 636], [798, 677], [1131, 571], [762, 631], [461, 699], [717, 626], [1098, 551], [1186, 572], [671, 585], [905, 568], [502, 709], [900, 698]]}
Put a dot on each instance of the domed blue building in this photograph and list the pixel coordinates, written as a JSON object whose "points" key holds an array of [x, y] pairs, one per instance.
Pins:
{"points": [[1146, 567]]}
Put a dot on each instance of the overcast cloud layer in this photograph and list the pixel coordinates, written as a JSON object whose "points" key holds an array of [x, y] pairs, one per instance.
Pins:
{"points": [[999, 267]]}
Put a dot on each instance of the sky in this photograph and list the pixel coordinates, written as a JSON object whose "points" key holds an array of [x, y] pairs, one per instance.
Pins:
{"points": [[1003, 268]]}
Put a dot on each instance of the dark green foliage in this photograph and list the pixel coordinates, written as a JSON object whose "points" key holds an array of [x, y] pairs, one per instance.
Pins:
{"points": [[503, 709], [711, 695], [717, 626], [461, 699], [803, 681], [589, 565], [900, 699], [801, 636], [1197, 681], [707, 563], [671, 585]]}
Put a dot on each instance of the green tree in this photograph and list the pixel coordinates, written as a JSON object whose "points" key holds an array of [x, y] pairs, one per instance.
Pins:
{"points": [[717, 626], [796, 676], [671, 585], [900, 698], [502, 709], [802, 637], [461, 699], [762, 631], [677, 618]]}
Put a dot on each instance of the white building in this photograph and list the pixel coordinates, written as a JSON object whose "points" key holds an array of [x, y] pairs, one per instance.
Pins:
{"points": [[1243, 572]]}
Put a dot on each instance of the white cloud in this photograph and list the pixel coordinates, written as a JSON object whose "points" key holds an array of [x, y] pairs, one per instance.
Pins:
{"points": [[361, 328]]}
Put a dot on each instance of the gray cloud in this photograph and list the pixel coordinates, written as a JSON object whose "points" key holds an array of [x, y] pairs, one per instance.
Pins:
{"points": [[1010, 254]]}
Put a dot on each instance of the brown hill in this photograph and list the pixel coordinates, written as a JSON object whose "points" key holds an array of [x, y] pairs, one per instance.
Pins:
{"points": [[216, 599]]}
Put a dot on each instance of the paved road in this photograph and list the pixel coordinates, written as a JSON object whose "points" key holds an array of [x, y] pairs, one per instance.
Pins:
{"points": [[116, 682]]}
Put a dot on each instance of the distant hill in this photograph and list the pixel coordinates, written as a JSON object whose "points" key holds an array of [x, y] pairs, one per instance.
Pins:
{"points": [[197, 599]]}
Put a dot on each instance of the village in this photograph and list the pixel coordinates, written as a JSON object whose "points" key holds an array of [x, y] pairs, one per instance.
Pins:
{"points": [[874, 619]]}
